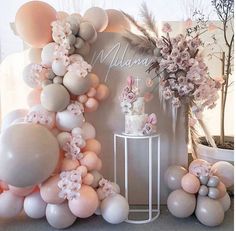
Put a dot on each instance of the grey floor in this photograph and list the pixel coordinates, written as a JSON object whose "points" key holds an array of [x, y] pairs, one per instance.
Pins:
{"points": [[165, 222]]}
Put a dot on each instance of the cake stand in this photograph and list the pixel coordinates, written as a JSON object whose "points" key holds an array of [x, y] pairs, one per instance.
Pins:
{"points": [[153, 213]]}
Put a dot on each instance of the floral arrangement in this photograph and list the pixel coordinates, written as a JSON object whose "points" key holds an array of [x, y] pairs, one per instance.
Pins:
{"points": [[150, 125]]}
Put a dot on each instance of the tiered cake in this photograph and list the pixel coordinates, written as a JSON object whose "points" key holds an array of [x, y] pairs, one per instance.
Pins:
{"points": [[137, 122]]}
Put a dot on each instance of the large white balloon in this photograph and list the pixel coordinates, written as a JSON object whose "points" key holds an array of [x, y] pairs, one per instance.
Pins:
{"points": [[59, 216], [115, 209], [35, 206]]}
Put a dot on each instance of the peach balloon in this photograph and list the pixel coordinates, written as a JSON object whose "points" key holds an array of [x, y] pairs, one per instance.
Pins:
{"points": [[99, 165], [82, 98], [89, 160], [88, 131], [33, 97], [21, 191], [88, 179], [221, 187], [49, 191], [92, 92], [93, 145], [83, 170], [68, 164], [94, 80], [102, 92], [190, 183], [86, 204], [33, 23], [91, 105]]}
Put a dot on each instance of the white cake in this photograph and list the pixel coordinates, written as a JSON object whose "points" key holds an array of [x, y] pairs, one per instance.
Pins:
{"points": [[137, 122]]}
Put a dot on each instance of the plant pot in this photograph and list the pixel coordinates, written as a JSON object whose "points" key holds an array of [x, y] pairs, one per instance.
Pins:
{"points": [[213, 155]]}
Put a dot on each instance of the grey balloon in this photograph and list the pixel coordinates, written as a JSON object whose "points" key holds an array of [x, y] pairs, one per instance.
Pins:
{"points": [[209, 211], [204, 179], [29, 154], [173, 176], [214, 193], [181, 204], [203, 190], [213, 181]]}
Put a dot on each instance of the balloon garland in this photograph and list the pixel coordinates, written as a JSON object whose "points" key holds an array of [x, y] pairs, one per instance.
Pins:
{"points": [[49, 157], [201, 190]]}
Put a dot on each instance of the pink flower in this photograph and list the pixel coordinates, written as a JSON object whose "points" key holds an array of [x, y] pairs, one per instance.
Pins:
{"points": [[176, 102], [167, 93], [131, 97], [166, 28], [108, 188], [76, 108]]}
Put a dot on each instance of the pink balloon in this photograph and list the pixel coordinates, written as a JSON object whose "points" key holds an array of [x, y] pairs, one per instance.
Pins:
{"points": [[33, 23], [83, 170], [91, 105], [92, 92], [82, 98], [190, 183], [88, 131], [10, 204], [21, 191], [93, 145], [88, 179], [102, 92], [33, 97], [49, 191], [68, 164], [94, 80], [221, 187], [85, 204], [89, 160]]}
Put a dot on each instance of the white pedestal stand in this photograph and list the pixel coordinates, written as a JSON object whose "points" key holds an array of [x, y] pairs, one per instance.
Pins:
{"points": [[152, 213]]}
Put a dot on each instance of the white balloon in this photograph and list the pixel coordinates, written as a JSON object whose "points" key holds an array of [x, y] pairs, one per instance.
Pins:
{"points": [[59, 216], [10, 204], [88, 131], [225, 202], [59, 67], [35, 206], [47, 54], [115, 209], [12, 116], [66, 120]]}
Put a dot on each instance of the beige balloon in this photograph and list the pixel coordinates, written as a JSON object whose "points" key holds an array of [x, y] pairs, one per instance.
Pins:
{"points": [[75, 84], [116, 21], [87, 31], [84, 50], [209, 212], [55, 97], [29, 154], [98, 17]]}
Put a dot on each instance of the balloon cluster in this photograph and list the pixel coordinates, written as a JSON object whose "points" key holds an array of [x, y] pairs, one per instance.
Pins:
{"points": [[49, 157], [201, 190]]}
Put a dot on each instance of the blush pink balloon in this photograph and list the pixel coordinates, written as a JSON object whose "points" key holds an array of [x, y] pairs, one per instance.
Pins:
{"points": [[89, 160], [49, 191], [68, 164], [221, 187], [10, 204], [88, 179], [102, 92], [82, 98], [33, 23], [190, 183], [86, 204], [91, 105], [93, 145], [83, 170], [21, 191], [92, 92], [94, 80], [99, 165], [33, 97], [88, 131]]}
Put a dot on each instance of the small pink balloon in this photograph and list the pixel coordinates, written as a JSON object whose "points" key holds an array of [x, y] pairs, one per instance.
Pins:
{"points": [[99, 165], [33, 97], [102, 92], [94, 80], [92, 92], [91, 105], [89, 160], [49, 191], [86, 204], [21, 191], [221, 187], [93, 145], [83, 170], [82, 98], [68, 164], [88, 179], [88, 131], [190, 183], [10, 204]]}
